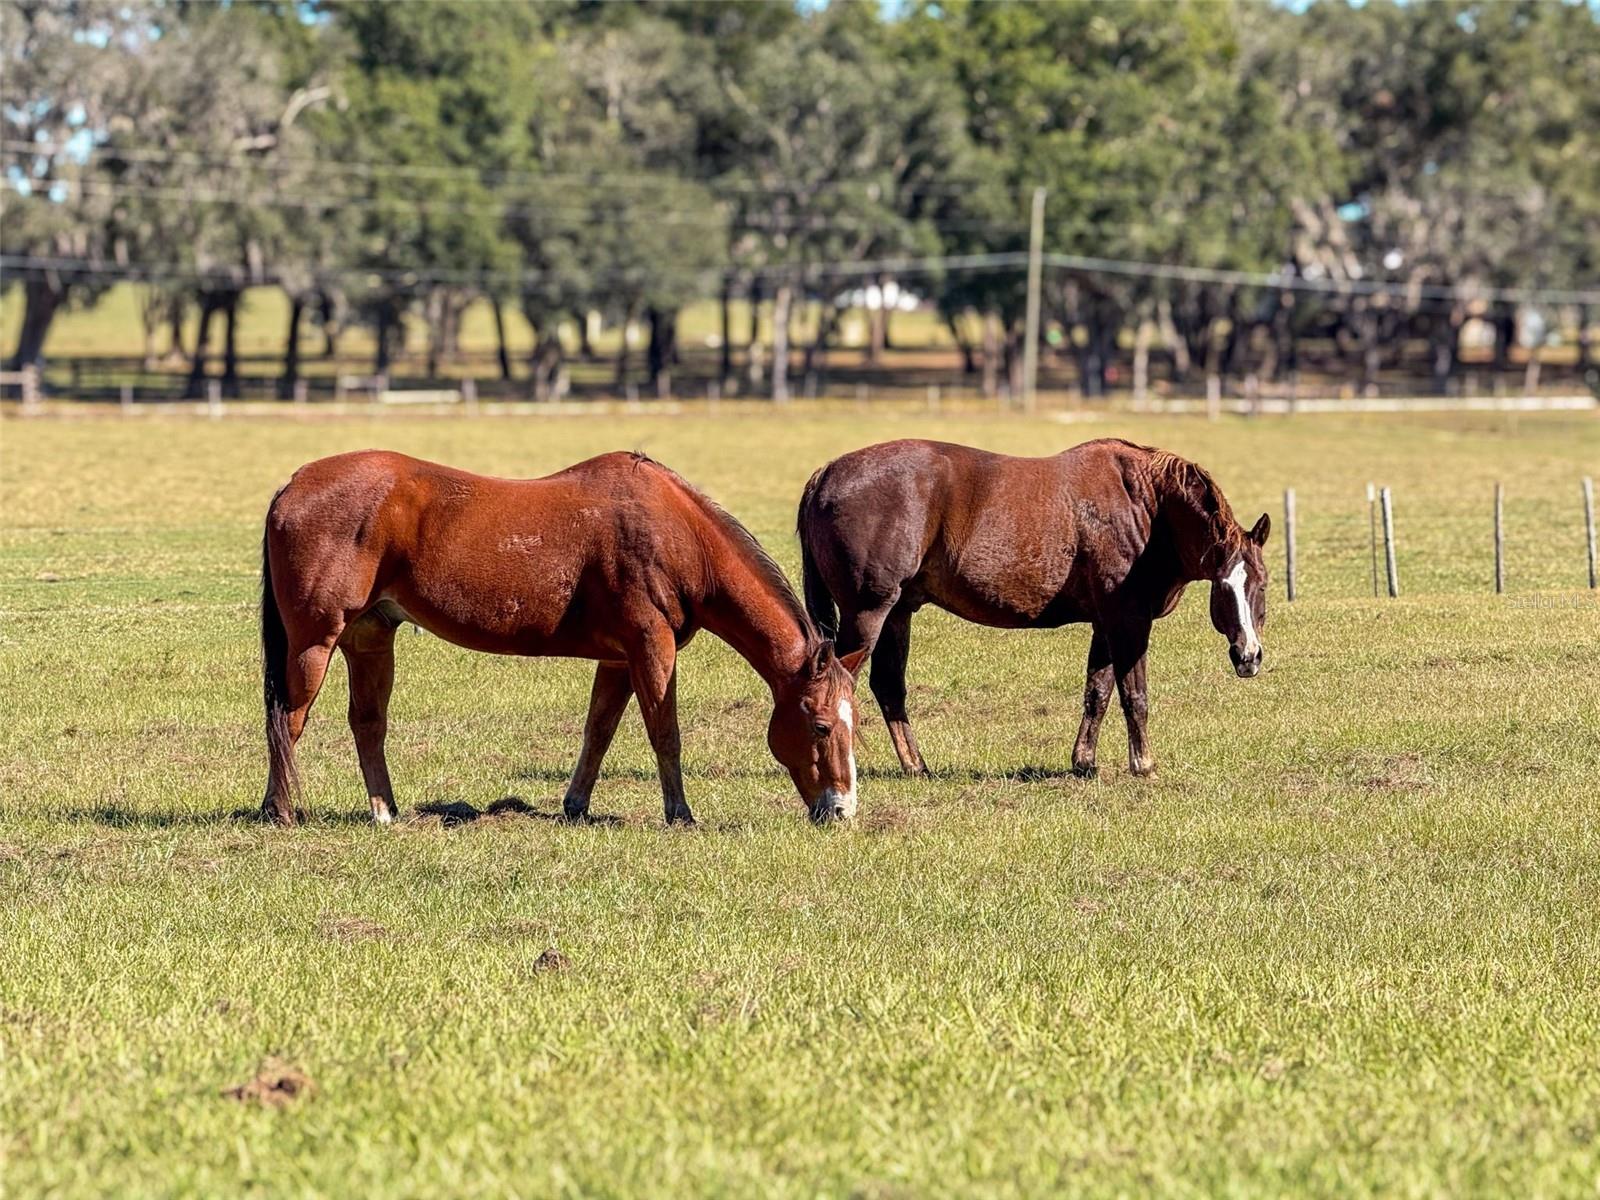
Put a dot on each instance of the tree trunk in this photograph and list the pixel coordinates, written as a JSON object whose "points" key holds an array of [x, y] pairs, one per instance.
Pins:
{"points": [[433, 313], [1141, 359], [782, 303], [380, 363], [622, 351], [1530, 377], [969, 354], [230, 346], [885, 342], [1371, 352], [500, 349], [1175, 343], [877, 334], [663, 349], [1099, 327], [817, 351], [1014, 359], [175, 311], [1584, 336], [152, 315], [291, 350], [991, 356], [585, 346], [1445, 345], [1505, 332], [755, 364], [40, 300], [330, 325], [202, 342], [725, 361], [545, 362]]}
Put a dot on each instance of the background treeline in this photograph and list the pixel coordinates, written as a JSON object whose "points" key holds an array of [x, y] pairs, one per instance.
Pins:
{"points": [[389, 164]]}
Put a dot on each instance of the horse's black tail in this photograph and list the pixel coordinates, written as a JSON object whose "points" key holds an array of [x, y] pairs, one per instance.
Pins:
{"points": [[275, 685], [819, 601]]}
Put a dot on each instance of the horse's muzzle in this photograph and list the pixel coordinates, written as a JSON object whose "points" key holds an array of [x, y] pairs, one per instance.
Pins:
{"points": [[833, 806], [1245, 668]]}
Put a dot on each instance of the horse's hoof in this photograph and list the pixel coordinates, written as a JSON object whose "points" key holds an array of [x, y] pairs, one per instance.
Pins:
{"points": [[1085, 771]]}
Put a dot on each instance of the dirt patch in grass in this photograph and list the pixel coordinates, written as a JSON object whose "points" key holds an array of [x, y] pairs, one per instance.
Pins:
{"points": [[518, 930], [1392, 773], [274, 1085], [552, 960], [887, 818], [353, 929]]}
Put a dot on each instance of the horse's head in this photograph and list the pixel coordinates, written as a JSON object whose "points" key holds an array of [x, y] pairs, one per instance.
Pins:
{"points": [[812, 732], [1239, 599]]}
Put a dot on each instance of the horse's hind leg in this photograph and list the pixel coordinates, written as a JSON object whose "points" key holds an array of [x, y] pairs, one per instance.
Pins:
{"points": [[368, 646], [1096, 699], [607, 702], [888, 682], [304, 672]]}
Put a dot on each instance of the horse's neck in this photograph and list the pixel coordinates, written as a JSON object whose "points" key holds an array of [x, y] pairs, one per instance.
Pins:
{"points": [[746, 610], [1193, 535]]}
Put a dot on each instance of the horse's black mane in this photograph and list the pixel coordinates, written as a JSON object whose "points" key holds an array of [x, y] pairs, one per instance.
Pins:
{"points": [[755, 554]]}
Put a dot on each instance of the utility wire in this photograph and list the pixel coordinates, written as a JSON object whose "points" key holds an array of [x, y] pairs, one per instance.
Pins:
{"points": [[936, 264], [1357, 287]]}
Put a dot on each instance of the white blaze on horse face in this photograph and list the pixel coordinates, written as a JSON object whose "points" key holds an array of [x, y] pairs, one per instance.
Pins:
{"points": [[1235, 585], [844, 803]]}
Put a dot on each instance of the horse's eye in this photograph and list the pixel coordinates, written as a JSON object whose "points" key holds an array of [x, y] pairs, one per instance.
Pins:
{"points": [[821, 728]]}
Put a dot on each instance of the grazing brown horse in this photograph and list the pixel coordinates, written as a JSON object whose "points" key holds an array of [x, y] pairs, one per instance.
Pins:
{"points": [[616, 559], [1107, 532]]}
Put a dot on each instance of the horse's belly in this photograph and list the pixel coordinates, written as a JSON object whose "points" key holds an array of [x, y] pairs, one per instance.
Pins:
{"points": [[522, 613], [1005, 604]]}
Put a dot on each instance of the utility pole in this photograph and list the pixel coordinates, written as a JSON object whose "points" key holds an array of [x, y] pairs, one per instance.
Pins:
{"points": [[1030, 345]]}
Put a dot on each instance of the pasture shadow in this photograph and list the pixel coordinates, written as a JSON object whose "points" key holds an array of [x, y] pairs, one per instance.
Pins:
{"points": [[1023, 774], [111, 816], [452, 814], [560, 775]]}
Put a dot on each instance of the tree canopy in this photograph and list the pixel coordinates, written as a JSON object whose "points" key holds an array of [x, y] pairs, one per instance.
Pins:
{"points": [[574, 157]]}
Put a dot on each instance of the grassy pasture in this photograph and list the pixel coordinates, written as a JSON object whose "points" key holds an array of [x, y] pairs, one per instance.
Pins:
{"points": [[1347, 942]]}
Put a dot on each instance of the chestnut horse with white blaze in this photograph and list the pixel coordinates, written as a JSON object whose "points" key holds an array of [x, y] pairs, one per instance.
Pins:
{"points": [[615, 559], [1108, 532]]}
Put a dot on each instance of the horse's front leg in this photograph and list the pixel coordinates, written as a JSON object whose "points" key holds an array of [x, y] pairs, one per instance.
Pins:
{"points": [[653, 669], [1128, 647], [607, 702], [1096, 699]]}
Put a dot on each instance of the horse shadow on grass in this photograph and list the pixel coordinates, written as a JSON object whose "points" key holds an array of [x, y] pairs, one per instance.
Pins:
{"points": [[1024, 774], [450, 814], [112, 816]]}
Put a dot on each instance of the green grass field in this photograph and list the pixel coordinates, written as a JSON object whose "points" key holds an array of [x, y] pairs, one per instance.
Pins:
{"points": [[1347, 942]]}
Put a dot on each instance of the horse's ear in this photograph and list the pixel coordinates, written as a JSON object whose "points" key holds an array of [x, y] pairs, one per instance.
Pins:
{"points": [[1263, 527], [819, 659], [854, 661]]}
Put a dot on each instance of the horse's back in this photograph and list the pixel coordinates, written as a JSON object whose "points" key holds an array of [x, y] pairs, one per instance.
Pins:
{"points": [[508, 565], [995, 538]]}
